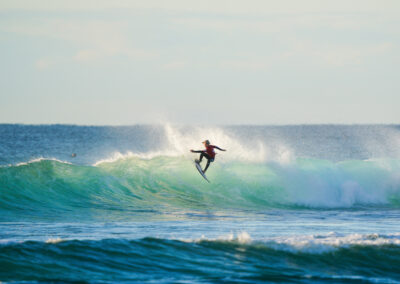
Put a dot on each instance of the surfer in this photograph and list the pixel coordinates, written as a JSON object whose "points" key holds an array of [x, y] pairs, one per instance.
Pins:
{"points": [[208, 153]]}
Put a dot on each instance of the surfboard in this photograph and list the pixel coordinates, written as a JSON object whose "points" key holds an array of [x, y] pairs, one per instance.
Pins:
{"points": [[201, 171]]}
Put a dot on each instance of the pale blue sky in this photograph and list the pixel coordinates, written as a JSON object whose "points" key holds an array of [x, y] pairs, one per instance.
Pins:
{"points": [[203, 62]]}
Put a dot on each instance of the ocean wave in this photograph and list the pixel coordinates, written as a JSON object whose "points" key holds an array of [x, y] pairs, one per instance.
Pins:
{"points": [[312, 244], [166, 260], [165, 182]]}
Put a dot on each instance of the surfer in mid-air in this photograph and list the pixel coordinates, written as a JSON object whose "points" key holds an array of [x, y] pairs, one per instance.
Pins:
{"points": [[208, 153]]}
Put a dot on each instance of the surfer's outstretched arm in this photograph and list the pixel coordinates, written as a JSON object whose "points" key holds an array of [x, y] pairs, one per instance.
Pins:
{"points": [[216, 147], [197, 151]]}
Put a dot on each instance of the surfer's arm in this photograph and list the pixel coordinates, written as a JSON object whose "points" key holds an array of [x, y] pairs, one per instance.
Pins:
{"points": [[216, 147], [197, 151]]}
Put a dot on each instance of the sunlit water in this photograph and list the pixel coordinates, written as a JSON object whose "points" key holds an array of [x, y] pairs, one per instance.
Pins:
{"points": [[289, 203]]}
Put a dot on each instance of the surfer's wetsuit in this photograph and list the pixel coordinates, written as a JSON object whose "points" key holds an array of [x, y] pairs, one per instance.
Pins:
{"points": [[209, 154]]}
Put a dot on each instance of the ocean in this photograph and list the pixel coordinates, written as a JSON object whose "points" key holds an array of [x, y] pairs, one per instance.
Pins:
{"points": [[296, 203]]}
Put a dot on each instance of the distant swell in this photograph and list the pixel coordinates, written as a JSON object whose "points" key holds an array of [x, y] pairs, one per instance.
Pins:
{"points": [[133, 184]]}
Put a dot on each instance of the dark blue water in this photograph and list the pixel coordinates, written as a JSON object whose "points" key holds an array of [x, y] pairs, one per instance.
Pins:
{"points": [[285, 204]]}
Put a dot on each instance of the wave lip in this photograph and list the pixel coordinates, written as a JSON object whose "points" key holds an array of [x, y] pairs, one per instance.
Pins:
{"points": [[163, 183], [165, 260]]}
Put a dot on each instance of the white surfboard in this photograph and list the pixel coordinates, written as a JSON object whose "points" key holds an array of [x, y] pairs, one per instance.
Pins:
{"points": [[201, 171]]}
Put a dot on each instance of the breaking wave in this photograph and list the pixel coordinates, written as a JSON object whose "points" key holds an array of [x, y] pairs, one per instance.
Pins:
{"points": [[134, 183]]}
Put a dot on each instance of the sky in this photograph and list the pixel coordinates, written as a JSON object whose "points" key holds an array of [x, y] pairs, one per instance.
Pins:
{"points": [[97, 62]]}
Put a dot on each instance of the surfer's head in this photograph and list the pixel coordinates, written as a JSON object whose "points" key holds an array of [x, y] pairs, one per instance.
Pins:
{"points": [[206, 142]]}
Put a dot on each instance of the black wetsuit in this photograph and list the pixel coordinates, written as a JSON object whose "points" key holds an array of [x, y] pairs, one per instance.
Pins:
{"points": [[204, 154]]}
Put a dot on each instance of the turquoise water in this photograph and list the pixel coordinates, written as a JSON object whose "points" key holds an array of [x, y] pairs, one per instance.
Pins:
{"points": [[285, 204]]}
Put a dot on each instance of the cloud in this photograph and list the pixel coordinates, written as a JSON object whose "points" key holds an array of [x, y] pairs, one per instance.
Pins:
{"points": [[94, 39], [341, 22], [243, 65], [44, 63], [339, 54], [260, 7], [100, 52], [175, 65]]}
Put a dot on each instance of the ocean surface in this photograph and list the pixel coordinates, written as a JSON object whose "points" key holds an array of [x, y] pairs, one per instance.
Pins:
{"points": [[303, 203]]}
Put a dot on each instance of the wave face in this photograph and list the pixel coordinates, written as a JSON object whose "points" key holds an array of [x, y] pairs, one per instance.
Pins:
{"points": [[133, 184], [376, 259]]}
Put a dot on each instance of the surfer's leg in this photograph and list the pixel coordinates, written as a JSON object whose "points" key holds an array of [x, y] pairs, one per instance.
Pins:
{"points": [[201, 157], [204, 154], [208, 163]]}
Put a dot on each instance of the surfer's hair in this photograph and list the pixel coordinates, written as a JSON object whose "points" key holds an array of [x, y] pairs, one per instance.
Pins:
{"points": [[207, 142]]}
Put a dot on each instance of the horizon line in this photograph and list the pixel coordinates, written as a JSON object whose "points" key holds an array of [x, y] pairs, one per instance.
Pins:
{"points": [[199, 124]]}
